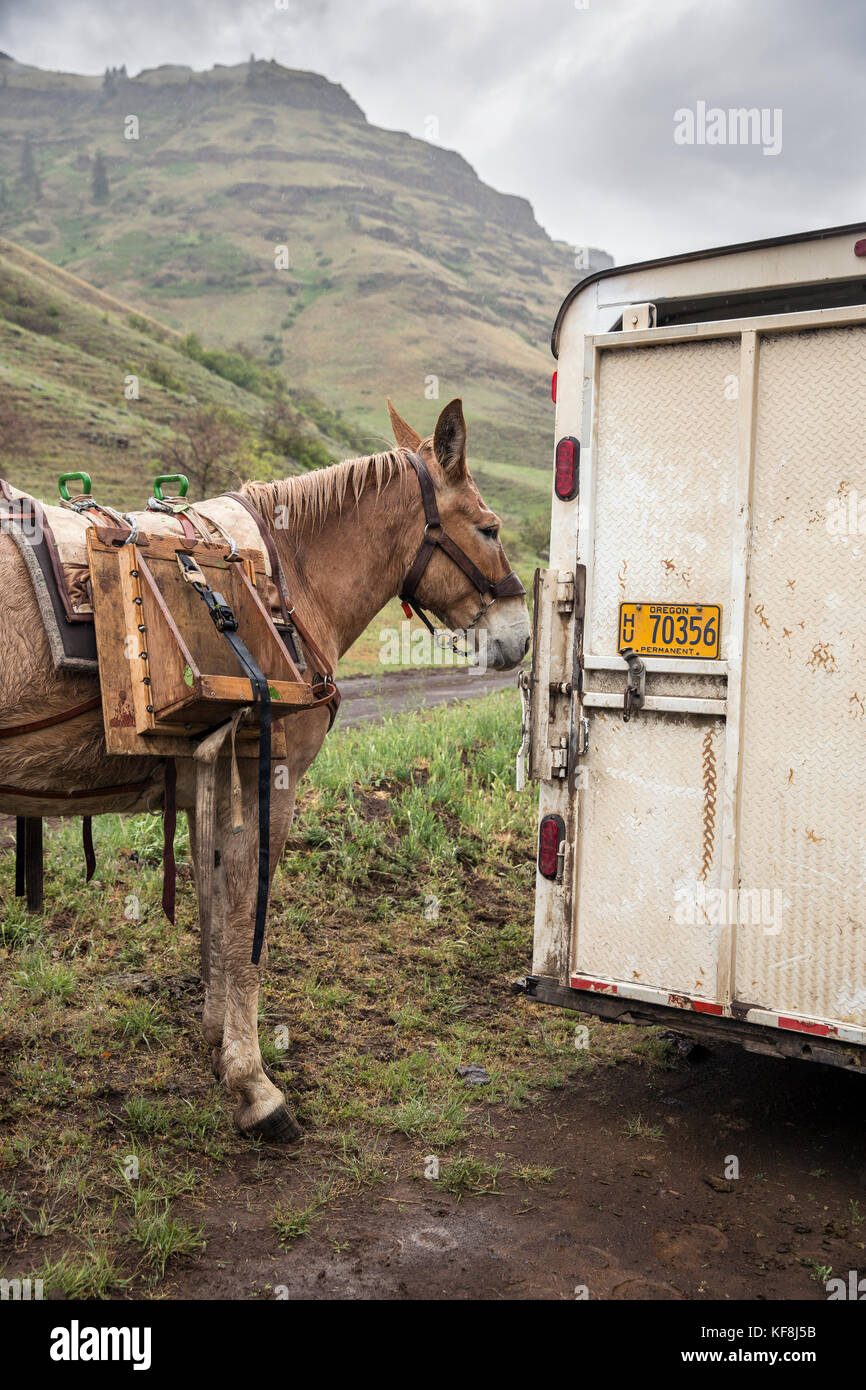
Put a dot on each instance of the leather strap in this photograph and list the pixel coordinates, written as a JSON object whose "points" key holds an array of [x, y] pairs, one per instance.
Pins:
{"points": [[270, 547], [290, 617], [435, 535], [72, 713], [85, 794], [87, 842], [169, 825]]}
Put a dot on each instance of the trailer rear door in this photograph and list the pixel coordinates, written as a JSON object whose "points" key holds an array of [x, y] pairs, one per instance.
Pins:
{"points": [[720, 855]]}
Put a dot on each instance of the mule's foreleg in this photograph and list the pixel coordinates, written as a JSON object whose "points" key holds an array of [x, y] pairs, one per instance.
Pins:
{"points": [[261, 1110]]}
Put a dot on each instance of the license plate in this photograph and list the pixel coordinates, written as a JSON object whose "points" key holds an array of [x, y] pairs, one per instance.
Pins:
{"points": [[691, 630]]}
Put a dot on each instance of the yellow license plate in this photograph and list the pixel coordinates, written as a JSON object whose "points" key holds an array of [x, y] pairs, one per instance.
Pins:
{"points": [[691, 630]]}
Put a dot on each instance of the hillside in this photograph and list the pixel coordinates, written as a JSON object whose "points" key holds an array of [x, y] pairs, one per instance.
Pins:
{"points": [[403, 265], [88, 383]]}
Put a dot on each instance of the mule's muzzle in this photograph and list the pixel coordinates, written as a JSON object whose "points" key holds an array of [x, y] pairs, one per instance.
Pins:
{"points": [[507, 635]]}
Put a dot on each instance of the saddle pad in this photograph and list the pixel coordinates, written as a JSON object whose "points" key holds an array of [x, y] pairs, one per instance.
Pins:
{"points": [[56, 557]]}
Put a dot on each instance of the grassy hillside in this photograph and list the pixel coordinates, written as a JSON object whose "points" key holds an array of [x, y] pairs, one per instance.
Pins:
{"points": [[68, 357], [403, 266]]}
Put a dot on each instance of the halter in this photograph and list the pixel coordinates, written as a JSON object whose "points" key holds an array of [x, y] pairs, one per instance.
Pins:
{"points": [[436, 535]]}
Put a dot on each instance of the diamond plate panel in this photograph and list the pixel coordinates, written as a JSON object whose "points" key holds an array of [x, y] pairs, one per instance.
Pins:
{"points": [[649, 835], [803, 760], [666, 460]]}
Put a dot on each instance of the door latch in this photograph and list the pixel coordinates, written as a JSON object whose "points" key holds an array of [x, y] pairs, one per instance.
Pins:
{"points": [[635, 686], [559, 758]]}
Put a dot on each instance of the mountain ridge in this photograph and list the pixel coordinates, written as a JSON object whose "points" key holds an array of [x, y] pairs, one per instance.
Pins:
{"points": [[256, 204]]}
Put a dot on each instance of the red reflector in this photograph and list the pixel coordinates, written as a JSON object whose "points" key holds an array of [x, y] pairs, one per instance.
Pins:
{"points": [[553, 387], [567, 479], [860, 247], [406, 609], [551, 834]]}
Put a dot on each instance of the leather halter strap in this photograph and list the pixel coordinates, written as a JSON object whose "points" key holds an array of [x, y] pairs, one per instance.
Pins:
{"points": [[436, 535]]}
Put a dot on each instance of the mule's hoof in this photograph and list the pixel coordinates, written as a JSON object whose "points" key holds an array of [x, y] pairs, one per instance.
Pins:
{"points": [[279, 1127]]}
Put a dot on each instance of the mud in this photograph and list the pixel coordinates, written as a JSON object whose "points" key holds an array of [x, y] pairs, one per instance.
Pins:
{"points": [[649, 1217]]}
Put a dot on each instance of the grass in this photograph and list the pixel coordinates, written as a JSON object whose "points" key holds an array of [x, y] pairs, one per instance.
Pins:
{"points": [[141, 1021], [115, 1137], [463, 1175], [637, 1128], [161, 1237], [89, 1274], [291, 1222]]}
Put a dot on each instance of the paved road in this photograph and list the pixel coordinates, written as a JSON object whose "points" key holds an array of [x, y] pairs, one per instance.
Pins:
{"points": [[372, 697]]}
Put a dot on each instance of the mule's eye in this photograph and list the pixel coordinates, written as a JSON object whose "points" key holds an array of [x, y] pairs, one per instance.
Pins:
{"points": [[491, 532]]}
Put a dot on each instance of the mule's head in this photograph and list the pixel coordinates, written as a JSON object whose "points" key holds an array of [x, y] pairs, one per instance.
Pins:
{"points": [[466, 518]]}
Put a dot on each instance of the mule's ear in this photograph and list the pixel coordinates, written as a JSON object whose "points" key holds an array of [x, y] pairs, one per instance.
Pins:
{"points": [[449, 440], [404, 435]]}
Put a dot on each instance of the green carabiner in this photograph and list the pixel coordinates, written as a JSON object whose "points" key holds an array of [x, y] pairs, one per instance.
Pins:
{"points": [[67, 478], [170, 478]]}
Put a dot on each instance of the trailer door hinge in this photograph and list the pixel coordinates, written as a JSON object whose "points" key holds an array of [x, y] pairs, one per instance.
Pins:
{"points": [[564, 591], [559, 758]]}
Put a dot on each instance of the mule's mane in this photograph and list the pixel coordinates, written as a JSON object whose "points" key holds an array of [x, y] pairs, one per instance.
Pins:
{"points": [[310, 497]]}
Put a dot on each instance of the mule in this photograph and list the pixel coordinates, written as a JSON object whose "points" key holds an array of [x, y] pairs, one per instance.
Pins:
{"points": [[347, 537]]}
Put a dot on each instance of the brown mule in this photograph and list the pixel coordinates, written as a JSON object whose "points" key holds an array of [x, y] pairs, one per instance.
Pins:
{"points": [[347, 538]]}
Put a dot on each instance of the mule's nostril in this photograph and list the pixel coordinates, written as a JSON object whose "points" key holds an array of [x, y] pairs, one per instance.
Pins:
{"points": [[526, 646]]}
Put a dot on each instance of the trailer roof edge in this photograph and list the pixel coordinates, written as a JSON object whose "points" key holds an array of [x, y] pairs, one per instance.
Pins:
{"points": [[820, 234]]}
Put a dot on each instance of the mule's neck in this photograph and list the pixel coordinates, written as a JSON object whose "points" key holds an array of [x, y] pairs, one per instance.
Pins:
{"points": [[341, 572]]}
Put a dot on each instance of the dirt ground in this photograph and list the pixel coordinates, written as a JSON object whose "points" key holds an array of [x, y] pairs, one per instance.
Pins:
{"points": [[607, 1176], [372, 697], [622, 1218]]}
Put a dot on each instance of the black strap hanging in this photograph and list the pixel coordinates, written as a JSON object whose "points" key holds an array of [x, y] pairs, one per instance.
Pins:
{"points": [[225, 622]]}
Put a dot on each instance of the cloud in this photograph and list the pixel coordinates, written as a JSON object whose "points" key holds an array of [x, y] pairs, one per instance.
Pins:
{"points": [[573, 108]]}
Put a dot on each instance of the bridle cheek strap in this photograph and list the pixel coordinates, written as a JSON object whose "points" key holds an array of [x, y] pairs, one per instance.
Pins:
{"points": [[435, 535]]}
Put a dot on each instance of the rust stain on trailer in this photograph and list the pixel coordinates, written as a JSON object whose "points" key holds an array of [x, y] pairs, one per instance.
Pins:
{"points": [[822, 657]]}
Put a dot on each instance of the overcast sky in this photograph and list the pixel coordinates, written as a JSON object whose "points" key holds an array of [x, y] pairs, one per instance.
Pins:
{"points": [[571, 107]]}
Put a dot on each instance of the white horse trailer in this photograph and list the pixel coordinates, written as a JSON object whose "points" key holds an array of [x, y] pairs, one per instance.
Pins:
{"points": [[697, 703]]}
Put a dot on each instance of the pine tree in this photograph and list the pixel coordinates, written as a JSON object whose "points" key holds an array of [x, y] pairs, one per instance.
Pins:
{"points": [[100, 179]]}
